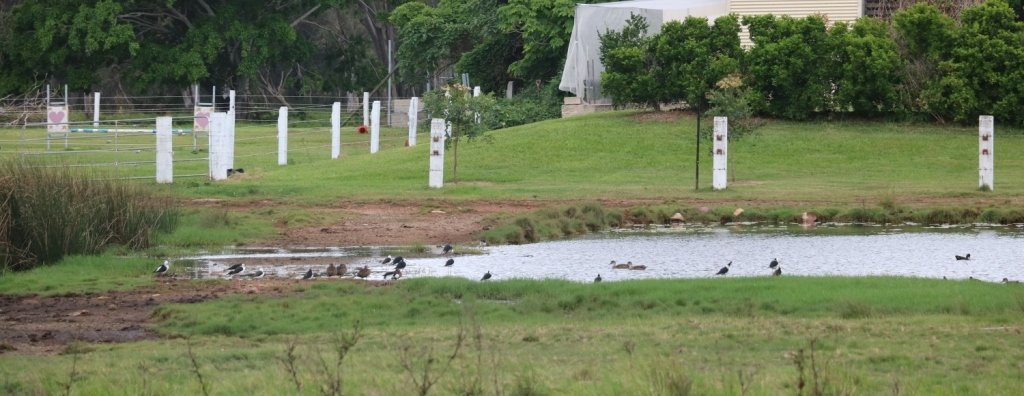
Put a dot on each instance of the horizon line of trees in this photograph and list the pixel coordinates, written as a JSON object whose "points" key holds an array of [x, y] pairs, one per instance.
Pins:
{"points": [[922, 63]]}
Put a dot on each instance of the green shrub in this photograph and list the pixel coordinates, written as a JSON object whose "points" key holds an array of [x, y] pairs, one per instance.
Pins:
{"points": [[50, 211]]}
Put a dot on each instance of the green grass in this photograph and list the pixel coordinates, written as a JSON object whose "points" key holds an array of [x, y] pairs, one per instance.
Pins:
{"points": [[323, 305], [609, 155], [725, 336], [81, 274], [215, 228]]}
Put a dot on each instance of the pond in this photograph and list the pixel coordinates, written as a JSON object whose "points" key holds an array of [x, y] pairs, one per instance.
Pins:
{"points": [[690, 252]]}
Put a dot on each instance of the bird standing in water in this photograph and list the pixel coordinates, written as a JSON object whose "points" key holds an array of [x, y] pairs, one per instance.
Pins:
{"points": [[777, 272], [363, 272], [598, 279], [967, 257], [774, 263], [486, 276], [308, 274], [724, 270]]}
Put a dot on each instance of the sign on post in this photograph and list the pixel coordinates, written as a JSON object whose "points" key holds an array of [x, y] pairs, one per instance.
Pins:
{"points": [[721, 153], [986, 152], [437, 137]]}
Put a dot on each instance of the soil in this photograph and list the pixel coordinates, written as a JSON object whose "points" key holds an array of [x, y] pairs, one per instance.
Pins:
{"points": [[46, 325]]}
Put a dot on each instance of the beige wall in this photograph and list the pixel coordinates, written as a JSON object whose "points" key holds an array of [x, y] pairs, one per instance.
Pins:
{"points": [[834, 10]]}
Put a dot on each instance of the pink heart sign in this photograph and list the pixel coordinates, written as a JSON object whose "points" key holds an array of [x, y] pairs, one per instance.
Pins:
{"points": [[203, 119], [56, 116]]}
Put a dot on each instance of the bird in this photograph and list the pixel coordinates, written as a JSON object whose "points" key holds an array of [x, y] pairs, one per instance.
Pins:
{"points": [[255, 275], [393, 274], [1007, 280], [340, 270], [400, 265], [331, 271], [363, 272], [774, 263], [777, 272], [237, 270], [619, 266], [449, 263], [386, 260], [967, 257], [234, 266], [486, 276], [638, 267], [598, 279], [308, 274], [447, 249], [163, 268], [725, 269]]}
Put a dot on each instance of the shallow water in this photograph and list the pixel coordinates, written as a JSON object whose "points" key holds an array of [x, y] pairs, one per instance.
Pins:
{"points": [[996, 252]]}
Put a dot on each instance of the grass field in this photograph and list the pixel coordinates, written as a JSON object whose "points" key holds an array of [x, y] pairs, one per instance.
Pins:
{"points": [[611, 155], [790, 335], [751, 336]]}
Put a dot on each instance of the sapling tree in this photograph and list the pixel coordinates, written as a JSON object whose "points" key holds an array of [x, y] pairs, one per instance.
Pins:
{"points": [[466, 115]]}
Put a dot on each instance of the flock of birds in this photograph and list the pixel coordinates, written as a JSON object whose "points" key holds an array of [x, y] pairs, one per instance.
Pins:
{"points": [[447, 250], [332, 270]]}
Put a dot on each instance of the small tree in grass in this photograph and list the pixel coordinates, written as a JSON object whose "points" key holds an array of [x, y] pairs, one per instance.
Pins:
{"points": [[467, 115]]}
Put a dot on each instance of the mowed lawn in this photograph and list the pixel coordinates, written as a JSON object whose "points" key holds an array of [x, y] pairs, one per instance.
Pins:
{"points": [[615, 156]]}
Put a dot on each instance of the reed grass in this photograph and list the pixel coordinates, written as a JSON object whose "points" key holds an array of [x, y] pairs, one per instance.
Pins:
{"points": [[48, 211]]}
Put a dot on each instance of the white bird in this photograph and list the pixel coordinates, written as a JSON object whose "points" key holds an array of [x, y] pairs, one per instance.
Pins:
{"points": [[163, 268]]}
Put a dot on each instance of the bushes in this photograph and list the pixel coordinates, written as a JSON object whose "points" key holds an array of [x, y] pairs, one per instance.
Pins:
{"points": [[47, 213], [923, 63]]}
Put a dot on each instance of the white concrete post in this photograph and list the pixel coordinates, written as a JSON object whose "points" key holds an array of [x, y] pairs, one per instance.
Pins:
{"points": [[414, 108], [229, 137], [508, 90], [366, 108], [218, 127], [375, 127], [721, 153], [986, 152], [336, 130], [164, 152], [476, 92], [95, 109], [437, 137], [282, 136]]}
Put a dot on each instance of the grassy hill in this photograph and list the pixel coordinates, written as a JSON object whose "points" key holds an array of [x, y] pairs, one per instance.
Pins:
{"points": [[620, 155]]}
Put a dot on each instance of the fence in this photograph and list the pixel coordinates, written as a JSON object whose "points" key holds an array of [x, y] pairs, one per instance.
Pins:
{"points": [[122, 143]]}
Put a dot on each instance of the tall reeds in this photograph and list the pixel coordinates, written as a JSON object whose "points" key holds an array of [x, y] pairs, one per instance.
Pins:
{"points": [[49, 211]]}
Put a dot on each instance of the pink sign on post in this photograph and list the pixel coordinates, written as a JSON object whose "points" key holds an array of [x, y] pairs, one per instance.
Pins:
{"points": [[202, 118], [57, 119]]}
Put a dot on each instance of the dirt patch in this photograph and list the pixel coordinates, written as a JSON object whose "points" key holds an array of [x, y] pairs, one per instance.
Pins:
{"points": [[45, 325]]}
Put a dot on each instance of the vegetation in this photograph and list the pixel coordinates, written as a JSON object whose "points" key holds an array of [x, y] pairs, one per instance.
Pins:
{"points": [[467, 116], [755, 335], [923, 63], [82, 274], [50, 211]]}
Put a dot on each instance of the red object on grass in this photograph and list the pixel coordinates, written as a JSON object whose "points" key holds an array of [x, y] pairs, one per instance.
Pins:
{"points": [[362, 129]]}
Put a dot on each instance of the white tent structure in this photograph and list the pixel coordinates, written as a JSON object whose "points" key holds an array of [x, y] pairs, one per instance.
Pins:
{"points": [[583, 68]]}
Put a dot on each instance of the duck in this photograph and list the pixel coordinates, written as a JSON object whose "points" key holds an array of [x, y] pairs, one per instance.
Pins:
{"points": [[777, 272], [331, 271], [638, 267], [386, 260], [340, 270], [619, 266], [363, 272]]}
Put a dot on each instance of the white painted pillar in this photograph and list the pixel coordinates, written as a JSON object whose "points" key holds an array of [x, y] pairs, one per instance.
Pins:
{"points": [[218, 127], [229, 137], [720, 153], [95, 109], [282, 136], [437, 137], [414, 108], [375, 127], [986, 152], [508, 90], [164, 152], [336, 130], [366, 108], [476, 91]]}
